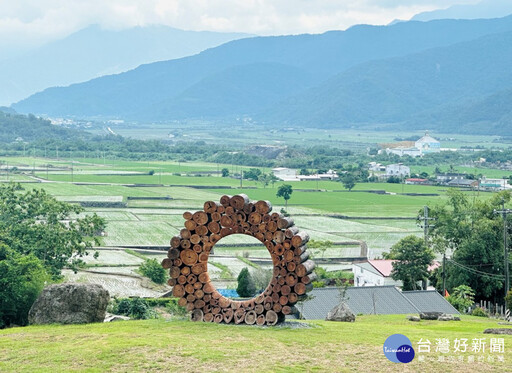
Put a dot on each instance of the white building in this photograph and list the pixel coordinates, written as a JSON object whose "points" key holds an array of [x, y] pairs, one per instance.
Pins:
{"points": [[397, 169], [374, 273], [376, 167], [378, 273], [288, 174], [285, 174], [428, 144], [413, 152], [494, 184]]}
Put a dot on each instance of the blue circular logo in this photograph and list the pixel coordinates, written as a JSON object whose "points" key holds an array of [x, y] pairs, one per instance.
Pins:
{"points": [[398, 349]]}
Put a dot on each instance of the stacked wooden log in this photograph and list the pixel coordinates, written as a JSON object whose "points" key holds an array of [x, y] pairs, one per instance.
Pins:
{"points": [[187, 261]]}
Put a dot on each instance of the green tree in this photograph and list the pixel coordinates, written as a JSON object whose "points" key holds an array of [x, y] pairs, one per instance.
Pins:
{"points": [[264, 179], [349, 181], [321, 246], [152, 269], [273, 179], [474, 234], [33, 222], [22, 278], [462, 298], [261, 278], [245, 286], [412, 259], [252, 174], [225, 172], [285, 191]]}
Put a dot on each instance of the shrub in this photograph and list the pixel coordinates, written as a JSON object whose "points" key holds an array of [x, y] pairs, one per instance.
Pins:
{"points": [[121, 306], [152, 269], [478, 311], [21, 280], [245, 286], [508, 300], [174, 309], [318, 284], [136, 308], [261, 278], [462, 298]]}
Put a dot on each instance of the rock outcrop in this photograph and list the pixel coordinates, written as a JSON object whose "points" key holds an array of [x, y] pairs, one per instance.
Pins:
{"points": [[341, 312], [70, 303]]}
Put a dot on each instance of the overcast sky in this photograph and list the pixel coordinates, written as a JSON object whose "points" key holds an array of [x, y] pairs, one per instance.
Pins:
{"points": [[37, 21]]}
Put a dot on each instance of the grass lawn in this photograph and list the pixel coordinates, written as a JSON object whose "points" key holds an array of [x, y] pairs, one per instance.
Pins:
{"points": [[159, 345]]}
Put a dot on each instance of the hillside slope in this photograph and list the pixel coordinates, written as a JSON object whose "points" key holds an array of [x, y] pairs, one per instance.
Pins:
{"points": [[406, 88], [209, 85], [94, 52]]}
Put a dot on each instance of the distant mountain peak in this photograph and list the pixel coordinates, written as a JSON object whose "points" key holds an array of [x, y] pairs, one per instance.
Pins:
{"points": [[93, 50], [484, 9]]}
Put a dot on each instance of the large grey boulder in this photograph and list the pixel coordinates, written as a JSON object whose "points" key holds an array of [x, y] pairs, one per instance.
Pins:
{"points": [[341, 312], [70, 304], [433, 315], [499, 331], [446, 317]]}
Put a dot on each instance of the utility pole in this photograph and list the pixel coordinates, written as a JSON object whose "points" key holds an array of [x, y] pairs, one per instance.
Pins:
{"points": [[504, 213], [425, 224], [241, 178]]}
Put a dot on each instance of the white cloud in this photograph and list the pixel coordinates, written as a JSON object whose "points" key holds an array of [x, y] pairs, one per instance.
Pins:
{"points": [[36, 21]]}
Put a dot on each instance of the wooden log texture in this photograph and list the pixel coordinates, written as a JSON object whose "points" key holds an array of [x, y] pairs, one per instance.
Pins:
{"points": [[187, 260]]}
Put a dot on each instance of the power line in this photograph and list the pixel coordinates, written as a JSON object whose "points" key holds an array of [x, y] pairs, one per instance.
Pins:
{"points": [[476, 271], [504, 213]]}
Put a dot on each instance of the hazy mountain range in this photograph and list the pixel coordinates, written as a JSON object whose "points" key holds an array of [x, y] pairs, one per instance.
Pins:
{"points": [[417, 89], [94, 52], [483, 9], [409, 74]]}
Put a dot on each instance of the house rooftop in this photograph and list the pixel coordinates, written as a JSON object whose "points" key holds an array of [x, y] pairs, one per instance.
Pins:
{"points": [[380, 300], [385, 266]]}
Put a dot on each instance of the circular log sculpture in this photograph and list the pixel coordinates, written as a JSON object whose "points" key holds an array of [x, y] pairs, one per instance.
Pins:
{"points": [[187, 261]]}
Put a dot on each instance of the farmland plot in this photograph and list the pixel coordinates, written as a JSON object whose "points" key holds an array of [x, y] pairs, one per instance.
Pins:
{"points": [[107, 257], [90, 198], [379, 242], [334, 225], [175, 220], [119, 286], [138, 233]]}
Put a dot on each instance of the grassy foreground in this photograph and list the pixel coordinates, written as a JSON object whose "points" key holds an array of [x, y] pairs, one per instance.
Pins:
{"points": [[159, 345]]}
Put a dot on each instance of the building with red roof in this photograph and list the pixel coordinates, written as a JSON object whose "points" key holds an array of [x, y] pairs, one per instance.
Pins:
{"points": [[377, 272]]}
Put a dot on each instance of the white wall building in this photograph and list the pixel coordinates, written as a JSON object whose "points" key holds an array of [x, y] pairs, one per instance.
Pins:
{"points": [[285, 174], [494, 184], [428, 144], [397, 169], [288, 174], [413, 152], [374, 273], [378, 272]]}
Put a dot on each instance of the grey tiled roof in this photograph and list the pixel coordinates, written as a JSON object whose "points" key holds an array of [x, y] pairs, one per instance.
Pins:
{"points": [[429, 300], [368, 267], [466, 182], [381, 300]]}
